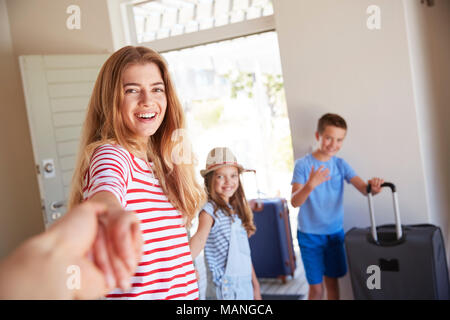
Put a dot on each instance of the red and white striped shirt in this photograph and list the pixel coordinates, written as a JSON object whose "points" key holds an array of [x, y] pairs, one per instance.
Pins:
{"points": [[166, 270]]}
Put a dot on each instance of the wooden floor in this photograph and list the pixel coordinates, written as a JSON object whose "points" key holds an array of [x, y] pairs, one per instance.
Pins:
{"points": [[296, 285]]}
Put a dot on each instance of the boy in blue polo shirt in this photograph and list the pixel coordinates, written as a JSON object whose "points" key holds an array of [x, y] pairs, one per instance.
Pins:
{"points": [[318, 189]]}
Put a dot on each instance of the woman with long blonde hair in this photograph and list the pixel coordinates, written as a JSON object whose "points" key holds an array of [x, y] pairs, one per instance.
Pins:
{"points": [[128, 159]]}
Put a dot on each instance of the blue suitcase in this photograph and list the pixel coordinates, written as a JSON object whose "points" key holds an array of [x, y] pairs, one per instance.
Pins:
{"points": [[271, 246]]}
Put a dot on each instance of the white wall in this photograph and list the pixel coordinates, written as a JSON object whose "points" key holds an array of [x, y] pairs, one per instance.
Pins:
{"points": [[429, 47], [20, 212], [39, 27], [333, 63]]}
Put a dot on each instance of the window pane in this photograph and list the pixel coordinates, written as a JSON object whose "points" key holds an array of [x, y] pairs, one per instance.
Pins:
{"points": [[159, 19]]}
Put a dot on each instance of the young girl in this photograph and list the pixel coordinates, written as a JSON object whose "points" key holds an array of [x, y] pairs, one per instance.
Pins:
{"points": [[225, 223], [126, 161]]}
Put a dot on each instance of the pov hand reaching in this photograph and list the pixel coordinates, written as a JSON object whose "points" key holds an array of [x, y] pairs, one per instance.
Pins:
{"points": [[84, 255]]}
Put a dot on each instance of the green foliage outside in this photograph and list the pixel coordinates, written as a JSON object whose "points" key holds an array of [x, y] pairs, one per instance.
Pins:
{"points": [[274, 89], [208, 112], [240, 81]]}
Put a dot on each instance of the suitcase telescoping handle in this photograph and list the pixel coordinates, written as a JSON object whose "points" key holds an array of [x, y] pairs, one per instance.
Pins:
{"points": [[398, 225], [258, 192]]}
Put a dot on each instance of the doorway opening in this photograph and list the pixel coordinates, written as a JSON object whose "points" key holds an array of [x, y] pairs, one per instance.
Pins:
{"points": [[233, 95]]}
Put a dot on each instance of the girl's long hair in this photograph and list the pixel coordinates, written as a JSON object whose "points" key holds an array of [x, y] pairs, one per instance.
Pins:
{"points": [[238, 202], [104, 124]]}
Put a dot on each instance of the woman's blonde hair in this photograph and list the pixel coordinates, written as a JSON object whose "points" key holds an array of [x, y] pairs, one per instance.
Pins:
{"points": [[238, 202], [104, 124]]}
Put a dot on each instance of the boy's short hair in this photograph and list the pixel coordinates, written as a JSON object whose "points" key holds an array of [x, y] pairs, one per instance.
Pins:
{"points": [[330, 119]]}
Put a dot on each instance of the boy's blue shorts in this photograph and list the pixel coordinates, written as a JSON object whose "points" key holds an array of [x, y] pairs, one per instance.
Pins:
{"points": [[322, 255]]}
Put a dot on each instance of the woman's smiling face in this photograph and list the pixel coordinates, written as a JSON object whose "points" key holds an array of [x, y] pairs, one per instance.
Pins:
{"points": [[144, 100]]}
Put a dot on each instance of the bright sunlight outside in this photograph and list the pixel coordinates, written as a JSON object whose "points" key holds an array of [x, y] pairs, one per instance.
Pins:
{"points": [[232, 92]]}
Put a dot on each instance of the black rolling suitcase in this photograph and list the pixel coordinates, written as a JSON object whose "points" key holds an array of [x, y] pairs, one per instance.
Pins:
{"points": [[395, 261]]}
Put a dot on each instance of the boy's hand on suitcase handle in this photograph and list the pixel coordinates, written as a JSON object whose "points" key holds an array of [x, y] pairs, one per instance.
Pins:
{"points": [[376, 185], [318, 177]]}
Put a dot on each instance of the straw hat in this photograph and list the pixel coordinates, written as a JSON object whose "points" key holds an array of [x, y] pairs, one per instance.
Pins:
{"points": [[221, 157]]}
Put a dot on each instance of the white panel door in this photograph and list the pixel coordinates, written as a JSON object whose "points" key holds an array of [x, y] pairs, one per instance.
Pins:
{"points": [[57, 91]]}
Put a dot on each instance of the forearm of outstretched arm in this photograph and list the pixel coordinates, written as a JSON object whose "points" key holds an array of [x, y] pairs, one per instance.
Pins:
{"points": [[359, 184], [198, 240], [300, 193], [196, 244], [107, 198]]}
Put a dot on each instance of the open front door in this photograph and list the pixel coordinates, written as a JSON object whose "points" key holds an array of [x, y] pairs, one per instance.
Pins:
{"points": [[57, 91]]}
